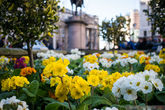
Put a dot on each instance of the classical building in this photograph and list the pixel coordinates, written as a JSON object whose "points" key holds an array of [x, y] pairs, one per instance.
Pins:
{"points": [[145, 25], [134, 25], [76, 32]]}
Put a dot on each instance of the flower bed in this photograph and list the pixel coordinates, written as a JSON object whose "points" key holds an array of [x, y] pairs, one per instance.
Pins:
{"points": [[80, 82]]}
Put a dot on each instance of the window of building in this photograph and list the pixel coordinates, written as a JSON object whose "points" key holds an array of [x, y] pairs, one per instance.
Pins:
{"points": [[145, 33]]}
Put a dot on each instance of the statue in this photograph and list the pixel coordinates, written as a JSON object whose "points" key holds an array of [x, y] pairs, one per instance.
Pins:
{"points": [[78, 3]]}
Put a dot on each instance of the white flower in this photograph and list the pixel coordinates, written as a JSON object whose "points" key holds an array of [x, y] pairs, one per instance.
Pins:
{"points": [[146, 87], [107, 55], [131, 54], [137, 83], [148, 75], [105, 63], [158, 84], [116, 90], [12, 100], [72, 57], [117, 86], [70, 71], [20, 107], [155, 58], [114, 108], [129, 93], [76, 51], [89, 66]]}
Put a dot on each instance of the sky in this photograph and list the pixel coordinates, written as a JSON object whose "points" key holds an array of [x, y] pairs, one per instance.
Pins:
{"points": [[106, 9]]}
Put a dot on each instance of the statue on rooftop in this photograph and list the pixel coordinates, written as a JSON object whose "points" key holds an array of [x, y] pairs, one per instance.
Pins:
{"points": [[77, 3]]}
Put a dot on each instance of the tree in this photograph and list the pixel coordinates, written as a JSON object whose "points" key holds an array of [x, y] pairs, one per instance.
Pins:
{"points": [[28, 21], [115, 30], [156, 15]]}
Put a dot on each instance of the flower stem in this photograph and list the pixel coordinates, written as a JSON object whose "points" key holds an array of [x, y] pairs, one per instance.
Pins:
{"points": [[136, 105], [146, 101], [70, 108]]}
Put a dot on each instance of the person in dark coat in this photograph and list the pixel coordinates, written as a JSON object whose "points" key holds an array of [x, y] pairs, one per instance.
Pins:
{"points": [[2, 42], [141, 44]]}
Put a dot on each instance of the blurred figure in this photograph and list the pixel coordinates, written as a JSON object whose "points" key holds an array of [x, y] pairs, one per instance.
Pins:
{"points": [[2, 42], [131, 45], [123, 46], [141, 44], [149, 43], [163, 43], [156, 43]]}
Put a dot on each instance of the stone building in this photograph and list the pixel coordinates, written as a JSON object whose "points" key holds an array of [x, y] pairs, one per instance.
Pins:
{"points": [[87, 32], [145, 25], [135, 24]]}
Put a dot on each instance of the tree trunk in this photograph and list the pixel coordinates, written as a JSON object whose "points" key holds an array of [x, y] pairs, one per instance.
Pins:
{"points": [[30, 54]]}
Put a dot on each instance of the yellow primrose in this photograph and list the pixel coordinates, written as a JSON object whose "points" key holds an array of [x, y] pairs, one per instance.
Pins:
{"points": [[91, 59], [152, 67]]}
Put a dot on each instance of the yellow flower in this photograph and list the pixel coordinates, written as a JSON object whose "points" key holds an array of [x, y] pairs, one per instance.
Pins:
{"points": [[4, 60], [81, 83], [93, 80], [126, 74], [125, 55], [27, 71], [61, 92], [152, 67], [49, 34], [162, 53], [58, 68], [26, 59], [48, 61], [142, 59], [162, 61], [91, 59], [76, 92], [107, 82], [13, 83]]}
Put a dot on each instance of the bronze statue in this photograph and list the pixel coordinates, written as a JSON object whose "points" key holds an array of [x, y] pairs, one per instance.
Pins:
{"points": [[77, 3]]}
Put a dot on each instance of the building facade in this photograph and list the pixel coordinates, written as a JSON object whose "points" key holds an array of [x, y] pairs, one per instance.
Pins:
{"points": [[145, 25], [62, 37], [134, 25]]}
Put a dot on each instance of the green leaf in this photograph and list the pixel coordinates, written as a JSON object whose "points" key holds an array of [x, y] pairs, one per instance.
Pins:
{"points": [[96, 100], [42, 93], [1, 2], [109, 95], [11, 7], [32, 90], [82, 107], [6, 95], [28, 92], [56, 106], [34, 86], [49, 99], [161, 96], [16, 72]]}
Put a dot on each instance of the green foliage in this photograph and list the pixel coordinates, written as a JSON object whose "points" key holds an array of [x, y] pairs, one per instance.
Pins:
{"points": [[56, 105], [6, 95], [83, 107], [156, 16], [32, 90], [94, 101], [28, 21], [161, 96], [24, 20], [114, 30]]}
